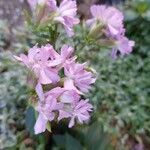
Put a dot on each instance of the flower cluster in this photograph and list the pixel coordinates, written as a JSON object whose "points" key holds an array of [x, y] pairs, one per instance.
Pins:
{"points": [[47, 10], [109, 21], [67, 80], [64, 99]]}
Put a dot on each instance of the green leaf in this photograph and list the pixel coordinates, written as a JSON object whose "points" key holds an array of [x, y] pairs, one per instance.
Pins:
{"points": [[142, 7], [30, 119], [67, 142], [72, 143], [130, 15], [59, 140], [96, 138], [48, 127]]}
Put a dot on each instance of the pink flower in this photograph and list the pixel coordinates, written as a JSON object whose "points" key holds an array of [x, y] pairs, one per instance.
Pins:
{"points": [[81, 112], [73, 107], [63, 95], [60, 102], [66, 102], [46, 113], [42, 61], [64, 57], [110, 21], [77, 111], [65, 14], [45, 62], [77, 77], [123, 45], [109, 17], [47, 106], [66, 53]]}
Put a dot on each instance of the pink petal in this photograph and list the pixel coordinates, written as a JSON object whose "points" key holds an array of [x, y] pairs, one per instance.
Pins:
{"points": [[69, 85], [39, 91], [72, 122], [40, 125], [66, 51], [23, 58], [43, 78], [52, 5], [32, 3], [63, 114], [113, 30]]}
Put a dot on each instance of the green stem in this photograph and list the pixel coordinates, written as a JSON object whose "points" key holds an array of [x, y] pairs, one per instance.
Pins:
{"points": [[53, 35]]}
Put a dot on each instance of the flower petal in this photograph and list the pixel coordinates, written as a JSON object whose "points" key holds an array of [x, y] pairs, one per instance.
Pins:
{"points": [[40, 125]]}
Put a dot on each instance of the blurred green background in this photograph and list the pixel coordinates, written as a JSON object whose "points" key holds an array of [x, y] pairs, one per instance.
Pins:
{"points": [[121, 96]]}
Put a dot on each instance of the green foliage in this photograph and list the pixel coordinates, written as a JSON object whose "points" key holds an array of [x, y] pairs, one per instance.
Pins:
{"points": [[30, 119], [138, 25], [91, 138], [67, 142], [121, 94], [95, 138], [14, 96]]}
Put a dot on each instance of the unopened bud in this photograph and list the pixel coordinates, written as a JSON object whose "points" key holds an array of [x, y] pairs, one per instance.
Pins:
{"points": [[96, 30]]}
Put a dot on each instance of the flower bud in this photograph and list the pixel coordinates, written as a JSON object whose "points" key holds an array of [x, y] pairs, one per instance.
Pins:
{"points": [[96, 30]]}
